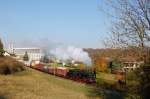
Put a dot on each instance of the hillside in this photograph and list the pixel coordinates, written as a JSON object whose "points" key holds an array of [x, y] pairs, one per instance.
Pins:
{"points": [[118, 54], [31, 84]]}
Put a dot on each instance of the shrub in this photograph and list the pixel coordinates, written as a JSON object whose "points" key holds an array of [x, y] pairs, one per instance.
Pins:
{"points": [[45, 59], [138, 84], [9, 65], [26, 57], [1, 49]]}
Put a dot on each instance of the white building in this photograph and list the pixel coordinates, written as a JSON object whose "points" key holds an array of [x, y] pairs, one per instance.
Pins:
{"points": [[33, 53]]}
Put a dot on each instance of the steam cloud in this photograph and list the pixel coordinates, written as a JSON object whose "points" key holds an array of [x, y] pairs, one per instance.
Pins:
{"points": [[73, 53], [59, 51]]}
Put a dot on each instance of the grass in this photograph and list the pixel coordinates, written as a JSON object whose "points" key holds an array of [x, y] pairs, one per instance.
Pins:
{"points": [[109, 82], [108, 78], [32, 84]]}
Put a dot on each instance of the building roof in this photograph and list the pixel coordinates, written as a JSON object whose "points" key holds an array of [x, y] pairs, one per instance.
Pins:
{"points": [[128, 59], [27, 48]]}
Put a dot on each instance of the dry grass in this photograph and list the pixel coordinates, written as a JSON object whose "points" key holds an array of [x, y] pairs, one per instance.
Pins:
{"points": [[9, 65], [31, 84]]}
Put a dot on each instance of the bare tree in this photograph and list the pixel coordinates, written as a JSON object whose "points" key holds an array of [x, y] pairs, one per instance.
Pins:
{"points": [[131, 26]]}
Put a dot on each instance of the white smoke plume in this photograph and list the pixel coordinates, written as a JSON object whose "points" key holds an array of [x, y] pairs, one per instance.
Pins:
{"points": [[58, 50], [73, 53]]}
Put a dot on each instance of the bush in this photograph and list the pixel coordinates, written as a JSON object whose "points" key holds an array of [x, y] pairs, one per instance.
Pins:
{"points": [[138, 84], [26, 57], [1, 49], [9, 65]]}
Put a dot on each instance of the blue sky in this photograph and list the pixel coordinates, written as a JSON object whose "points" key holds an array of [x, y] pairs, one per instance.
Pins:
{"points": [[78, 23]]}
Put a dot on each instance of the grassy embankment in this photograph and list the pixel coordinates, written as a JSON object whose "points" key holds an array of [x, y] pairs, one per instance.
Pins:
{"points": [[32, 84]]}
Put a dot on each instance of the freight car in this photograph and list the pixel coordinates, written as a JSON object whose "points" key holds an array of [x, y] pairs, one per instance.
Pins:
{"points": [[59, 71]]}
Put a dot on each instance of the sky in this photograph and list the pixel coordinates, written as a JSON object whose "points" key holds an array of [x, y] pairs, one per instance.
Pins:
{"points": [[77, 23]]}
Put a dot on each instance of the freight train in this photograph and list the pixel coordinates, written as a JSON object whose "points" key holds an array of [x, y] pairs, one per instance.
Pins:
{"points": [[84, 76]]}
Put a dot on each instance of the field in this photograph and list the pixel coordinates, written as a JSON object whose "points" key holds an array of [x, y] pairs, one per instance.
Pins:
{"points": [[32, 84]]}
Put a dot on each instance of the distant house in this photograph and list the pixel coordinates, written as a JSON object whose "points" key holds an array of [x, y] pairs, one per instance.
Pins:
{"points": [[130, 63], [7, 54]]}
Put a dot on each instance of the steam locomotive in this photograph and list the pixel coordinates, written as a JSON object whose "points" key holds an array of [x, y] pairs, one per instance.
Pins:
{"points": [[79, 75]]}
